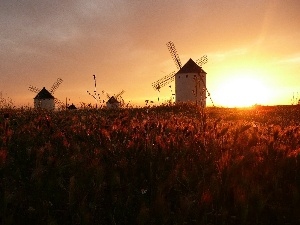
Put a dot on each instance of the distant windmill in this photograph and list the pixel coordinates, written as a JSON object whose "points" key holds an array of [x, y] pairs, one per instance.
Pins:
{"points": [[190, 79], [44, 98], [115, 101]]}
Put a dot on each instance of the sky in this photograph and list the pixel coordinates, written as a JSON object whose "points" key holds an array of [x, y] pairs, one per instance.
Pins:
{"points": [[253, 48]]}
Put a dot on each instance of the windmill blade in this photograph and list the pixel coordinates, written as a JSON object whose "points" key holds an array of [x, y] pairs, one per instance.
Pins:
{"points": [[206, 90], [118, 95], [55, 85], [202, 60], [34, 89], [121, 100], [174, 54], [58, 102], [157, 85]]}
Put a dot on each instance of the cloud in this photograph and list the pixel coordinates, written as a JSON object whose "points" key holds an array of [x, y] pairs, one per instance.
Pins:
{"points": [[220, 56], [292, 59]]}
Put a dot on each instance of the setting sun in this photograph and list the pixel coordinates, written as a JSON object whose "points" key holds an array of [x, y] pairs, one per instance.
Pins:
{"points": [[242, 90]]}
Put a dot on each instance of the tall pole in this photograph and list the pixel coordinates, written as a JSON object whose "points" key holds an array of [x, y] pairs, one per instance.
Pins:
{"points": [[197, 89], [95, 90]]}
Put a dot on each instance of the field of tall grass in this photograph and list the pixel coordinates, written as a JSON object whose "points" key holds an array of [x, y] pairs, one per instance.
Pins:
{"points": [[153, 165]]}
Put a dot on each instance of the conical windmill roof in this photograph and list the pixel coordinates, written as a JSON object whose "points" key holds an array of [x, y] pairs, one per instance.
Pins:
{"points": [[72, 106], [113, 100], [44, 94], [191, 67]]}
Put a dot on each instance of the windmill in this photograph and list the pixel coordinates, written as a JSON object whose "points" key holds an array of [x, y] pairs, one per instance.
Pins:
{"points": [[44, 98], [190, 79], [115, 101]]}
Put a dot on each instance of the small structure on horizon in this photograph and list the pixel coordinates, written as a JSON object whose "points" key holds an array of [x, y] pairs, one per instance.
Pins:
{"points": [[71, 107], [115, 101], [44, 98]]}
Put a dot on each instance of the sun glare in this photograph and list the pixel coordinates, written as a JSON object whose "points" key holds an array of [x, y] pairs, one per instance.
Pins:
{"points": [[242, 90]]}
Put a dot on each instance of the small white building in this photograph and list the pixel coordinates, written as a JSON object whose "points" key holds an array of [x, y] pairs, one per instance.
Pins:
{"points": [[113, 103], [190, 84], [44, 100]]}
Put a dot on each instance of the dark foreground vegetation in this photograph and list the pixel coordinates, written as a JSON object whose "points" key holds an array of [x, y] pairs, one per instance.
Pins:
{"points": [[163, 165]]}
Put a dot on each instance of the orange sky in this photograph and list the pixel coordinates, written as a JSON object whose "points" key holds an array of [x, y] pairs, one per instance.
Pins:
{"points": [[253, 48]]}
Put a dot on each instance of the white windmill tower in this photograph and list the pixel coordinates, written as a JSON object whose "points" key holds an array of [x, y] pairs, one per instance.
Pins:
{"points": [[115, 101], [190, 79], [44, 98]]}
